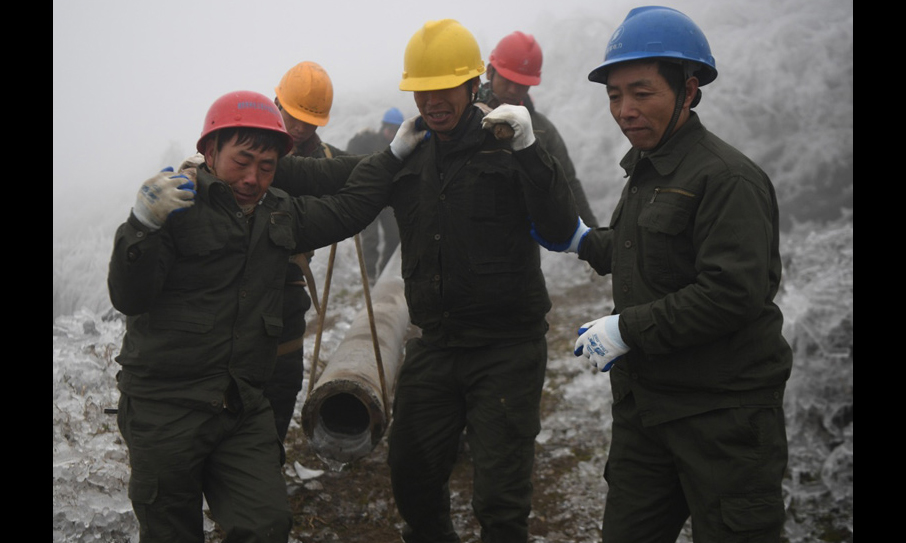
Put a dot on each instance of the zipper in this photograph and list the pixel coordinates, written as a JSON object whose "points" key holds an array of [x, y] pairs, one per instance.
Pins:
{"points": [[670, 190]]}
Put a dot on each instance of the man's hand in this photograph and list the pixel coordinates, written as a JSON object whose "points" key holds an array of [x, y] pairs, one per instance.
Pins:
{"points": [[600, 342], [191, 163], [571, 246], [408, 137], [517, 118], [161, 195]]}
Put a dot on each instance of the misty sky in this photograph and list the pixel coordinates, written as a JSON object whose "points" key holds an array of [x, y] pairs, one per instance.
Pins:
{"points": [[132, 82], [134, 79]]}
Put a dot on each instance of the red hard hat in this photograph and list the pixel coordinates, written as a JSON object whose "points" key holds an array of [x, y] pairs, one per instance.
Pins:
{"points": [[246, 109], [518, 58]]}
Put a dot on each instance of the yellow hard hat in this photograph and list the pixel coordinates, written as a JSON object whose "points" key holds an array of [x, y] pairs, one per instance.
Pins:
{"points": [[441, 55], [306, 93]]}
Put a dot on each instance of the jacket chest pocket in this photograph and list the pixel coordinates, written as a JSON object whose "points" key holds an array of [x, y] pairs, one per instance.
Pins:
{"points": [[201, 238], [492, 191], [280, 230], [666, 252]]}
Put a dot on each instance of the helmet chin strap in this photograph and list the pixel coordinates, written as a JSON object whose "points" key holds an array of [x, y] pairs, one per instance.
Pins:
{"points": [[688, 71], [677, 111]]}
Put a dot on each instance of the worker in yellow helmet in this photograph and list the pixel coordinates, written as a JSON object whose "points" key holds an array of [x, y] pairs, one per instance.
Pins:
{"points": [[466, 203]]}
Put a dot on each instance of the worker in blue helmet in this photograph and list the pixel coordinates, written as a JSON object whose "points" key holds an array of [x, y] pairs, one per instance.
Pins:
{"points": [[366, 142], [697, 361]]}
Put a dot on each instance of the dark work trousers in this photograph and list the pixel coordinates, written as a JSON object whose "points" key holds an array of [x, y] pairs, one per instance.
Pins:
{"points": [[286, 382], [376, 258], [178, 454], [724, 467], [495, 394]]}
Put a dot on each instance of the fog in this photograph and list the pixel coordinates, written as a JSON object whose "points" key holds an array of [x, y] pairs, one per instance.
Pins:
{"points": [[132, 83]]}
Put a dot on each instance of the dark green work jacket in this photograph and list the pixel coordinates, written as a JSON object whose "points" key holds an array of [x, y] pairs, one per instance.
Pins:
{"points": [[204, 294], [693, 247]]}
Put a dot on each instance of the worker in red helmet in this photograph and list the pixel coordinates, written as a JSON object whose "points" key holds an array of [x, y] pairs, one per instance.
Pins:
{"points": [[198, 269], [514, 67]]}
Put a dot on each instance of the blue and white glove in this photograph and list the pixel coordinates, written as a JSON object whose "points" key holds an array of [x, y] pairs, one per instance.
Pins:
{"points": [[408, 137], [162, 195], [600, 342], [518, 118], [571, 246]]}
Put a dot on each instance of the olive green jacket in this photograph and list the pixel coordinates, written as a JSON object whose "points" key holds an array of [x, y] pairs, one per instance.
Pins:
{"points": [[693, 247], [204, 294]]}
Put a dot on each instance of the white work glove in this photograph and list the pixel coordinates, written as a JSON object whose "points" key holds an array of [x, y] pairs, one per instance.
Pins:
{"points": [[161, 195], [518, 118], [191, 163], [408, 137], [600, 342]]}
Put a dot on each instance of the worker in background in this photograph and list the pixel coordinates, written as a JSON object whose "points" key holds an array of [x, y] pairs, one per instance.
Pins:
{"points": [[514, 67], [366, 142], [304, 98]]}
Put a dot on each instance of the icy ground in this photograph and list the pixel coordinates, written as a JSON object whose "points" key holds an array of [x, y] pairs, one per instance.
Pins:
{"points": [[90, 465]]}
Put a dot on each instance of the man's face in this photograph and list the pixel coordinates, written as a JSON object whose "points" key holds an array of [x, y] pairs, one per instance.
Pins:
{"points": [[247, 171], [301, 131], [508, 92], [642, 103], [441, 109]]}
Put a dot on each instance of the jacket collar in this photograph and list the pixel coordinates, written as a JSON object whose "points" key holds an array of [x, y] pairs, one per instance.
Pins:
{"points": [[669, 156], [434, 156]]}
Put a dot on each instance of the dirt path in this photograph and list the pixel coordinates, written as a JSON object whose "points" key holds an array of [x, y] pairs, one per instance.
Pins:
{"points": [[356, 505]]}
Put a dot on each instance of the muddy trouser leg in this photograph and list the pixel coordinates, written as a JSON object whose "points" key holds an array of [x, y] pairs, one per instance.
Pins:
{"points": [[178, 454], [428, 418], [645, 501], [503, 404], [725, 466], [243, 483], [497, 393]]}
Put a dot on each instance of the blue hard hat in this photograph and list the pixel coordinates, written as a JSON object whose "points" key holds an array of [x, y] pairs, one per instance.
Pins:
{"points": [[393, 116], [654, 32]]}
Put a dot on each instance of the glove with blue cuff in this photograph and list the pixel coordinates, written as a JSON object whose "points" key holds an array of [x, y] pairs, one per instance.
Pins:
{"points": [[600, 342], [162, 195], [571, 246], [410, 134]]}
